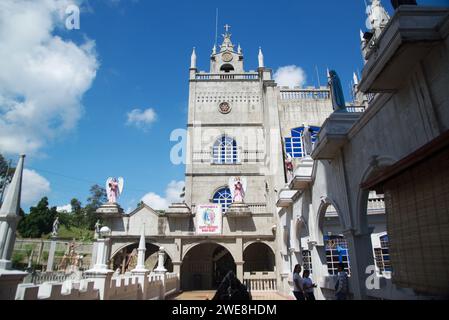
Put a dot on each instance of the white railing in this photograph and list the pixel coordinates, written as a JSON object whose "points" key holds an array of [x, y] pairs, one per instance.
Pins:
{"points": [[355, 109], [227, 76], [125, 287], [305, 94], [257, 208], [260, 281], [40, 278]]}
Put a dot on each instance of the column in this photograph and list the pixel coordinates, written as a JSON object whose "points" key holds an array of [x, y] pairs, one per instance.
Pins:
{"points": [[100, 273], [319, 268], [51, 254], [360, 257]]}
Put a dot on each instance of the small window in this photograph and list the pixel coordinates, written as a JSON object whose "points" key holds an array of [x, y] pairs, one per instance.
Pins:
{"points": [[227, 68], [223, 197]]}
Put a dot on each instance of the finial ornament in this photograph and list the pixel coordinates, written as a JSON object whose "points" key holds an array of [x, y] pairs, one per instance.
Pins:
{"points": [[193, 59], [261, 62], [227, 43]]}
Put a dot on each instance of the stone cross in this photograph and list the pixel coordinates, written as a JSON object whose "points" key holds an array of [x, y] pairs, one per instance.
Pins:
{"points": [[227, 27]]}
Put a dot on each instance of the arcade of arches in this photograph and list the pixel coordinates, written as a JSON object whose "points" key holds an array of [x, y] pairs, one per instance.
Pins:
{"points": [[205, 265]]}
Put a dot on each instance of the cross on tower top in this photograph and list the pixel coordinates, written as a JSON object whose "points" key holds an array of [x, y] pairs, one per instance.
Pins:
{"points": [[227, 27]]}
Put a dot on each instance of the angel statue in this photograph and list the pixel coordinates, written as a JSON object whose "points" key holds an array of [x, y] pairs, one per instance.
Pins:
{"points": [[289, 166], [114, 188], [238, 189]]}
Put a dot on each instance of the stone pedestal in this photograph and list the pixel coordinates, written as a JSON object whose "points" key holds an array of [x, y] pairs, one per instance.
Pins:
{"points": [[302, 176], [178, 210], [102, 256], [237, 210], [51, 255], [110, 212], [161, 261]]}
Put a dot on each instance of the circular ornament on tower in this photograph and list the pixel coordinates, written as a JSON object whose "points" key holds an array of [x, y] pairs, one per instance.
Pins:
{"points": [[227, 57], [224, 107]]}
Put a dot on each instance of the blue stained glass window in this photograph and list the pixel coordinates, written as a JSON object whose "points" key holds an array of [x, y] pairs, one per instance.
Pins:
{"points": [[293, 144], [223, 197], [225, 151]]}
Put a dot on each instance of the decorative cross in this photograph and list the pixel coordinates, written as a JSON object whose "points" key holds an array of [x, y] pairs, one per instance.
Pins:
{"points": [[227, 27]]}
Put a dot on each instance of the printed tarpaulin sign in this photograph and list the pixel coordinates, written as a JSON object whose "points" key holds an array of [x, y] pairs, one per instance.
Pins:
{"points": [[209, 219]]}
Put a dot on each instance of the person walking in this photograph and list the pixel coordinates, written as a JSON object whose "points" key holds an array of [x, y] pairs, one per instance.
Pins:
{"points": [[342, 285], [298, 282], [308, 286]]}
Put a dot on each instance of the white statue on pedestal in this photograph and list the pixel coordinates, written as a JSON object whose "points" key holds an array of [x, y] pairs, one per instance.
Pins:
{"points": [[238, 188], [55, 231], [114, 188]]}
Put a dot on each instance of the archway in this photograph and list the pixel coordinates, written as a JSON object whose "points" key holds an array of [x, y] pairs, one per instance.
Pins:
{"points": [[125, 259], [258, 257], [204, 267]]}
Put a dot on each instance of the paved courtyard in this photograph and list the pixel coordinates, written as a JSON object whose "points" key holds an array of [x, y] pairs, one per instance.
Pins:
{"points": [[208, 295]]}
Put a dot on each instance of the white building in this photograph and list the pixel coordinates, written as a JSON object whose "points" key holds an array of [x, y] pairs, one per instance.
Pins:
{"points": [[331, 208]]}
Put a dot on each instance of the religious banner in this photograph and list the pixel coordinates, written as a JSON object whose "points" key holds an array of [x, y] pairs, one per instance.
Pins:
{"points": [[209, 219]]}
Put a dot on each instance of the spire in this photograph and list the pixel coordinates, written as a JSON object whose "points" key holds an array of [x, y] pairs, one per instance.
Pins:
{"points": [[9, 217], [193, 59], [214, 50], [261, 64], [239, 49], [11, 205], [362, 37], [355, 79], [140, 267]]}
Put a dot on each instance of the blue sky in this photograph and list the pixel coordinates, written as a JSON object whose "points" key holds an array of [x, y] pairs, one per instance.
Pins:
{"points": [[143, 53]]}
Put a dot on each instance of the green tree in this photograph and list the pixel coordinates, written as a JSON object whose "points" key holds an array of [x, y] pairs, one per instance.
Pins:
{"points": [[39, 221], [6, 173], [77, 213], [97, 198]]}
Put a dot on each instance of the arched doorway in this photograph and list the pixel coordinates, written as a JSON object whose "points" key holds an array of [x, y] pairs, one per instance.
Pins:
{"points": [[204, 267], [126, 258], [258, 257]]}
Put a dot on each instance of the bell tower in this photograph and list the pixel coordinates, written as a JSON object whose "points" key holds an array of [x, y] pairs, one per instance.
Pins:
{"points": [[226, 60]]}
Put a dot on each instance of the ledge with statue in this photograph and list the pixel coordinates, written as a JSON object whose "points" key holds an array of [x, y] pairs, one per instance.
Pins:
{"points": [[238, 209]]}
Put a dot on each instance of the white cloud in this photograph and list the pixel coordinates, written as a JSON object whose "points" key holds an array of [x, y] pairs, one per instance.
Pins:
{"points": [[290, 76], [34, 188], [142, 119], [172, 195], [42, 76], [67, 208]]}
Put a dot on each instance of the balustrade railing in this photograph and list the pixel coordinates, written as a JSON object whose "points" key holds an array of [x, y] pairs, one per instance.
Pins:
{"points": [[261, 284], [305, 94], [227, 76]]}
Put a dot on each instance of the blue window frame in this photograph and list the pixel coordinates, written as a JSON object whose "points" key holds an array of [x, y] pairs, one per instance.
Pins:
{"points": [[223, 197], [225, 151], [336, 253], [293, 144]]}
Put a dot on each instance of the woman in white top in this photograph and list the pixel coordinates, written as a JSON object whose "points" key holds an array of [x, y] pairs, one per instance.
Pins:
{"points": [[298, 284], [308, 286]]}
